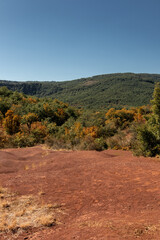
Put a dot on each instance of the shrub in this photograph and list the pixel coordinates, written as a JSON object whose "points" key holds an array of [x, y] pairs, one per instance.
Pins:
{"points": [[146, 143], [89, 143], [4, 143], [121, 140], [38, 132], [52, 128], [121, 118], [11, 122], [148, 135], [57, 144], [29, 119], [23, 140]]}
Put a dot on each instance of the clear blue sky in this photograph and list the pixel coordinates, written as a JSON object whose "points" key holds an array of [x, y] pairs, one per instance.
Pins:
{"points": [[69, 39]]}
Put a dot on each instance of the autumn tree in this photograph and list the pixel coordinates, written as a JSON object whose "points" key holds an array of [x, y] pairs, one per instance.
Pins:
{"points": [[90, 131], [121, 118], [29, 119], [11, 122]]}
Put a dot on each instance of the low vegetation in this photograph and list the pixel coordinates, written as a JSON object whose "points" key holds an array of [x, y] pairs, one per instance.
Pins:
{"points": [[27, 121]]}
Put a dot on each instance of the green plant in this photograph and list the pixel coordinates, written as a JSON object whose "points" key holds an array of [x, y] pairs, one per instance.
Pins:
{"points": [[148, 135], [23, 140], [146, 143]]}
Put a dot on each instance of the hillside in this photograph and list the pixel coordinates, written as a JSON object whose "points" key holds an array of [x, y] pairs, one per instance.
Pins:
{"points": [[102, 91]]}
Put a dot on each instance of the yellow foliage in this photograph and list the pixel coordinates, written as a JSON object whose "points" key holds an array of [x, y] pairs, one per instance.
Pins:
{"points": [[11, 122], [90, 131], [138, 116], [120, 117], [46, 107], [78, 129], [67, 132]]}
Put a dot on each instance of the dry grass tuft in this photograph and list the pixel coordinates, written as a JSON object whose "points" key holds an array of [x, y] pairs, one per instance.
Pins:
{"points": [[19, 213]]}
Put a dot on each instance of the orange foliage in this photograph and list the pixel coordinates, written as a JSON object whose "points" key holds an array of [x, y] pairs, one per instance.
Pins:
{"points": [[138, 116], [38, 129], [29, 100], [120, 117], [11, 122], [90, 131], [78, 129], [46, 107]]}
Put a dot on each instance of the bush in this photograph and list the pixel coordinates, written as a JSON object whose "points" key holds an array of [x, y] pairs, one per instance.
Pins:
{"points": [[89, 143], [109, 130], [57, 144], [52, 128], [121, 118], [38, 132], [148, 135], [146, 143], [22, 140], [121, 140], [3, 140], [11, 122]]}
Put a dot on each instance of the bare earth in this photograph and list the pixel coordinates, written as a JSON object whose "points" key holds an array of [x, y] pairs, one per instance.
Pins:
{"points": [[104, 195]]}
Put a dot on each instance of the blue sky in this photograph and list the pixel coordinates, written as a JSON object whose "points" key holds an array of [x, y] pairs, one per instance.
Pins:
{"points": [[69, 39]]}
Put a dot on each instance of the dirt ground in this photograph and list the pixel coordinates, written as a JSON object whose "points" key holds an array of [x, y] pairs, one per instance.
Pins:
{"points": [[104, 195]]}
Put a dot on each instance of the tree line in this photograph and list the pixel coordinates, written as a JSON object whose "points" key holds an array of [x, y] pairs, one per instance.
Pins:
{"points": [[27, 121]]}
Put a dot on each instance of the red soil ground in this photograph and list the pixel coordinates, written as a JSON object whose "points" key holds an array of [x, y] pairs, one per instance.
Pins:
{"points": [[105, 195]]}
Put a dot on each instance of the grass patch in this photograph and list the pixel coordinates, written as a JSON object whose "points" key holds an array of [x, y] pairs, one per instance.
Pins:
{"points": [[20, 213]]}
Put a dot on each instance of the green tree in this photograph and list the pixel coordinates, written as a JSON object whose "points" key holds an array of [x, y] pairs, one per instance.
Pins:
{"points": [[148, 135], [156, 102]]}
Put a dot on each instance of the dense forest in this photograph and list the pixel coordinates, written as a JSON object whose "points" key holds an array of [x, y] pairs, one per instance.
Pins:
{"points": [[97, 92], [28, 121]]}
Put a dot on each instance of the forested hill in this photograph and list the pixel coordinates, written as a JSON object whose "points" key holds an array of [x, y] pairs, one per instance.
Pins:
{"points": [[102, 91]]}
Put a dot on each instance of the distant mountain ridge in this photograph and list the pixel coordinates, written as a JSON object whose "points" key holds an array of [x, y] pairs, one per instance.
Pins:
{"points": [[98, 92]]}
